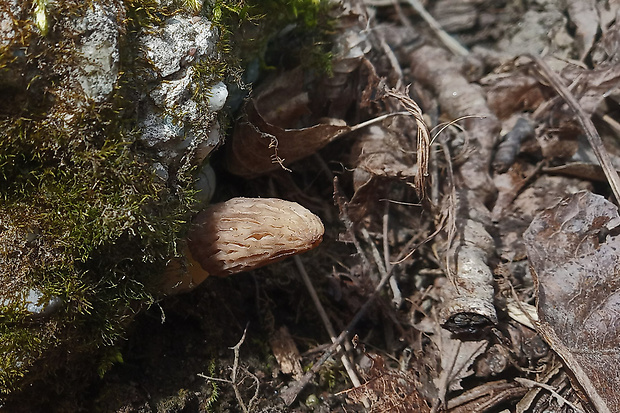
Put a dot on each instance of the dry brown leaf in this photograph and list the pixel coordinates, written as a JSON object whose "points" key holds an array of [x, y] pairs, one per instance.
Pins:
{"points": [[272, 132], [576, 265], [285, 350], [457, 359], [606, 49], [389, 390], [593, 85], [515, 93], [584, 16]]}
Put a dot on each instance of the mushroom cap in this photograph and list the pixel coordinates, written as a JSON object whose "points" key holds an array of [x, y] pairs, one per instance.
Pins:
{"points": [[246, 233]]}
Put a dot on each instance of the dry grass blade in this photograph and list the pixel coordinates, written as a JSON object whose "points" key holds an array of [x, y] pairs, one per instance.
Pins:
{"points": [[454, 46], [327, 323], [423, 140], [586, 124]]}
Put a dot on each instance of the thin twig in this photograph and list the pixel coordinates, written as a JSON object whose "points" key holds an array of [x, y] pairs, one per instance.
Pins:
{"points": [[289, 395], [233, 377], [327, 323], [386, 243], [344, 216], [402, 256], [451, 210], [556, 395], [452, 45], [397, 296], [257, 388], [213, 378], [586, 124]]}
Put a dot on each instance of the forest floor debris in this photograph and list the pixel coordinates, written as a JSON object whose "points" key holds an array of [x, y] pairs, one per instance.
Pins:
{"points": [[440, 218]]}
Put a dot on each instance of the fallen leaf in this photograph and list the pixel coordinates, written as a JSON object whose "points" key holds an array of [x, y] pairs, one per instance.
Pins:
{"points": [[272, 133], [575, 265], [383, 152], [285, 350], [584, 16], [389, 390], [513, 94], [592, 85], [457, 359]]}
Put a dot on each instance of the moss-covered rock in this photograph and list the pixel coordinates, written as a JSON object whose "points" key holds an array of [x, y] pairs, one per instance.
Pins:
{"points": [[109, 110]]}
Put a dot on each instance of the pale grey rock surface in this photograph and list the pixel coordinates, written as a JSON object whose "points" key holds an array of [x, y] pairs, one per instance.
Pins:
{"points": [[99, 54], [183, 129]]}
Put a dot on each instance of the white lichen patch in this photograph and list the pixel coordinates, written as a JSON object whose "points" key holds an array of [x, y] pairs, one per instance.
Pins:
{"points": [[217, 96], [99, 52], [172, 118], [181, 41], [8, 31]]}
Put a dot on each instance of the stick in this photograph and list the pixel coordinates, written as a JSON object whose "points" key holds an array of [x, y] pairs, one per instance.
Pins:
{"points": [[586, 124], [328, 325]]}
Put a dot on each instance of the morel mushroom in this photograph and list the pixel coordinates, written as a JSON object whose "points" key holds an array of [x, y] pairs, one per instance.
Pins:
{"points": [[240, 235]]}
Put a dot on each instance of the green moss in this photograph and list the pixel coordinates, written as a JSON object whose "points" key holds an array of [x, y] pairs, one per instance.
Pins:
{"points": [[96, 225], [210, 403], [250, 28], [85, 220]]}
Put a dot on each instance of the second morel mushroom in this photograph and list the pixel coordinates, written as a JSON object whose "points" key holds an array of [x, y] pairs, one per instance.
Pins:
{"points": [[242, 234]]}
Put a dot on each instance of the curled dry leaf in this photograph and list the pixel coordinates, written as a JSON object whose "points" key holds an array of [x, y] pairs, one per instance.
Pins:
{"points": [[242, 234], [270, 136], [382, 152], [575, 265]]}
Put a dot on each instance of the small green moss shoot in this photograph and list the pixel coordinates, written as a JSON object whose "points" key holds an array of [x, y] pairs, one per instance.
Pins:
{"points": [[251, 27], [210, 403]]}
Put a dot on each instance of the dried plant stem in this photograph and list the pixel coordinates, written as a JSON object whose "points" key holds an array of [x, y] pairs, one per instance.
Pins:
{"points": [[423, 139], [556, 395], [586, 124], [344, 216], [328, 325], [488, 395], [377, 119], [454, 46], [289, 395], [233, 378], [397, 296], [386, 243], [387, 51]]}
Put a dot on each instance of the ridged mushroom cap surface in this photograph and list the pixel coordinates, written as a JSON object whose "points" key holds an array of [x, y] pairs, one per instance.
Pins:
{"points": [[246, 233]]}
